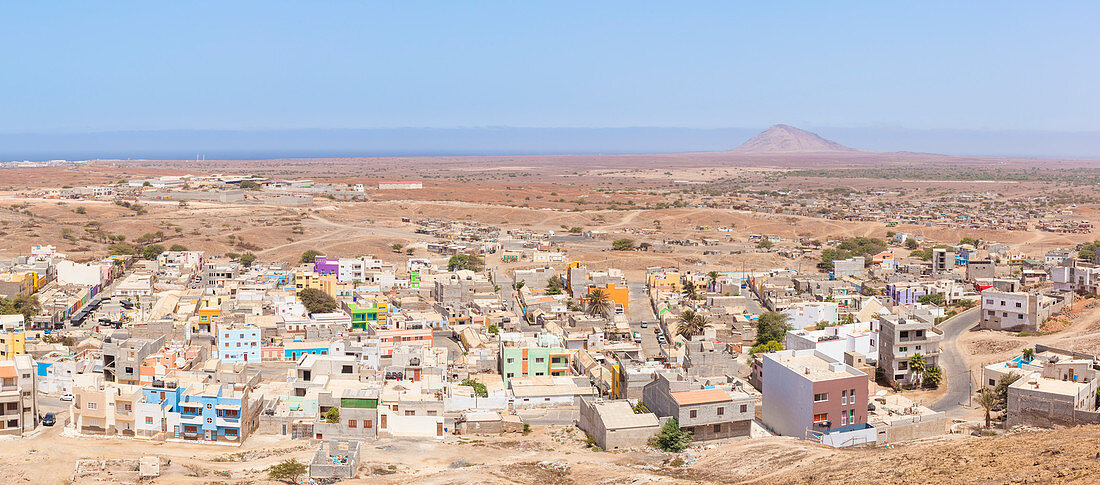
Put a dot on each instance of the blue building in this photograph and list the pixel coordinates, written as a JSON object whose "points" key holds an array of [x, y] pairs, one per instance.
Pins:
{"points": [[216, 412], [239, 343]]}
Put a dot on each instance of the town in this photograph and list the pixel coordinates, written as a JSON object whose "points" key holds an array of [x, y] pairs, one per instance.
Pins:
{"points": [[479, 330]]}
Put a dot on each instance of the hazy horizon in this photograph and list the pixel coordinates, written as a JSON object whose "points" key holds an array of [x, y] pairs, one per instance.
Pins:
{"points": [[516, 141]]}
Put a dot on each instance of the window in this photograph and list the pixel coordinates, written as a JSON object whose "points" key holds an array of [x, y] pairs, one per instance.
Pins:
{"points": [[904, 334], [693, 413], [91, 405], [843, 418], [209, 420], [821, 418], [904, 365], [843, 397], [989, 302], [539, 360], [721, 410], [1020, 316], [352, 423], [852, 396], [230, 432], [718, 428], [821, 397], [148, 420], [917, 347], [903, 349], [410, 412], [511, 360], [993, 382], [1019, 305], [744, 408], [368, 424]]}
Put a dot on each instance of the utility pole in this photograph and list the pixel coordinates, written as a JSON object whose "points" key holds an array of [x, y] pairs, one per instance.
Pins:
{"points": [[970, 387]]}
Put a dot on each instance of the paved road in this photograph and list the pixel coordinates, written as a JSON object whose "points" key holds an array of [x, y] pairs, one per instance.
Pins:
{"points": [[956, 374], [640, 310], [752, 305]]}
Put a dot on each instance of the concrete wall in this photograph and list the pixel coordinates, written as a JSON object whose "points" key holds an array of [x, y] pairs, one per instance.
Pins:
{"points": [[912, 428], [1033, 408]]}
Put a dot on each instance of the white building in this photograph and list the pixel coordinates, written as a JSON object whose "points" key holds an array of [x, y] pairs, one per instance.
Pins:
{"points": [[91, 274], [810, 313], [400, 184], [835, 341], [1077, 277]]}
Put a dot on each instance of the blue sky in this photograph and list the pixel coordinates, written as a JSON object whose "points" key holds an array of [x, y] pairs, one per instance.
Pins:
{"points": [[243, 65]]}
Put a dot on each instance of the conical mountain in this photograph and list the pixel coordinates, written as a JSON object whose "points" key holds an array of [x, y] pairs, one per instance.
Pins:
{"points": [[788, 139]]}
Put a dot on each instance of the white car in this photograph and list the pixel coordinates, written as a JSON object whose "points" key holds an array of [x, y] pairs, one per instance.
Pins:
{"points": [[68, 396]]}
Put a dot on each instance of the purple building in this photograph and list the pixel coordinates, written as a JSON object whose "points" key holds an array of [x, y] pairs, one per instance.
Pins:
{"points": [[905, 293], [323, 265]]}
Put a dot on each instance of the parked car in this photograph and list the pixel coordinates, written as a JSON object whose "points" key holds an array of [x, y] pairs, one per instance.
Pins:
{"points": [[49, 419], [68, 396], [645, 324]]}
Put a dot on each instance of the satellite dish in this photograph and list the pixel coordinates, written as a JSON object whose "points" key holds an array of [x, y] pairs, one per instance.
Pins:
{"points": [[880, 393]]}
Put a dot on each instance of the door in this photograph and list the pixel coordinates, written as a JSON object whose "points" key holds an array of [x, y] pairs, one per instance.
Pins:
{"points": [[439, 429], [382, 422]]}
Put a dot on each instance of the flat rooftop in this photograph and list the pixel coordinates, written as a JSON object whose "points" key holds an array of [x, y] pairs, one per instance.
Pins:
{"points": [[812, 366]]}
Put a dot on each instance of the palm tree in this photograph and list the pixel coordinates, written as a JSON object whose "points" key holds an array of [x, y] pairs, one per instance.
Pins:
{"points": [[1029, 354], [712, 277], [917, 365], [599, 303], [987, 400], [691, 324], [689, 291]]}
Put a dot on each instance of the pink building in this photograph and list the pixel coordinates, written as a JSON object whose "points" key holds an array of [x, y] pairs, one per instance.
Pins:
{"points": [[809, 395], [392, 337]]}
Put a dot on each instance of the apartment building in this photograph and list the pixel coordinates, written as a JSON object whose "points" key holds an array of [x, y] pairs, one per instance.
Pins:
{"points": [[523, 356], [709, 413], [943, 260], [238, 343], [104, 408], [18, 395], [855, 266], [1020, 311], [366, 312], [809, 395], [12, 343], [219, 412], [215, 273], [1076, 276], [123, 357], [899, 340]]}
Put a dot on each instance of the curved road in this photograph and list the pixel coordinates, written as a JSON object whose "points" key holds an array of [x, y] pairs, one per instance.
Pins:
{"points": [[955, 372]]}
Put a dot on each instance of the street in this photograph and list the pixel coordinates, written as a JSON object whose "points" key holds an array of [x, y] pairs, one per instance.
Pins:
{"points": [[640, 310], [955, 373]]}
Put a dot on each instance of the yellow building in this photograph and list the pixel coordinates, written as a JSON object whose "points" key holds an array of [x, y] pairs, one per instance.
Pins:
{"points": [[619, 295], [18, 284], [668, 282], [210, 308], [325, 283], [12, 344]]}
